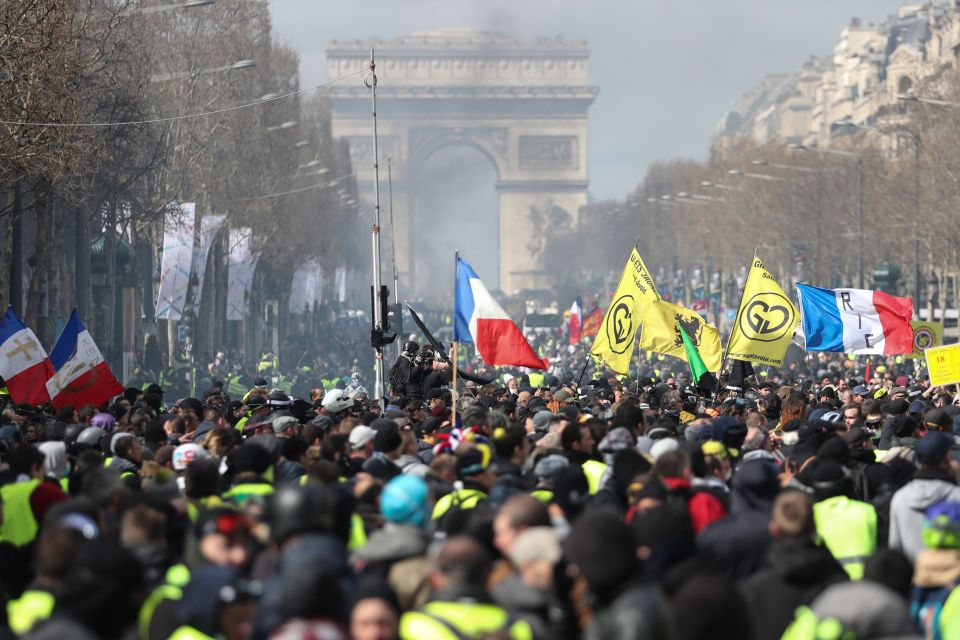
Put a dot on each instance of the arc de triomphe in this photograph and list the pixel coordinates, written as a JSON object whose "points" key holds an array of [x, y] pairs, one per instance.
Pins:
{"points": [[522, 105]]}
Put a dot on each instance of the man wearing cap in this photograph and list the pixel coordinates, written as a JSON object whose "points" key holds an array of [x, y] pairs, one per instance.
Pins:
{"points": [[860, 392], [387, 448], [934, 482], [361, 446]]}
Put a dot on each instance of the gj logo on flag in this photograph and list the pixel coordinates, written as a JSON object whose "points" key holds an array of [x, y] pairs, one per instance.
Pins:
{"points": [[767, 317], [620, 328]]}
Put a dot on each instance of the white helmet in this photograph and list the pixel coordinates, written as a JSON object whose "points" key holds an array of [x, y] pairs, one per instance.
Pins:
{"points": [[187, 453], [336, 400]]}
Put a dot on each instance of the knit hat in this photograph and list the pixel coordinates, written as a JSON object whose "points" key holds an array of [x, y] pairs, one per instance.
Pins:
{"points": [[607, 565], [250, 458], [404, 501], [542, 420], [661, 447], [474, 460], [618, 439]]}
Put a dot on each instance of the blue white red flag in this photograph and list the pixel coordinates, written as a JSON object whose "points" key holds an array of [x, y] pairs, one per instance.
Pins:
{"points": [[23, 362], [576, 322], [855, 321], [80, 374], [479, 319]]}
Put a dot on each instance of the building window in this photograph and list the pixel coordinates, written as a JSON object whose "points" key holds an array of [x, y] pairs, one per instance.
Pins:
{"points": [[904, 85]]}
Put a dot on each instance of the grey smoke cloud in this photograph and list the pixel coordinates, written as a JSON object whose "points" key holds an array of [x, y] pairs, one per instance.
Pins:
{"points": [[667, 70]]}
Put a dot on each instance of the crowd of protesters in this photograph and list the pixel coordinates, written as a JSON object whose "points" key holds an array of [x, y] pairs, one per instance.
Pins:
{"points": [[813, 501]]}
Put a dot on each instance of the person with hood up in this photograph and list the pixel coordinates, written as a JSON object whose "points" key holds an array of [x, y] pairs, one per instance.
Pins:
{"points": [[796, 570], [934, 482], [738, 543], [397, 551], [626, 604]]}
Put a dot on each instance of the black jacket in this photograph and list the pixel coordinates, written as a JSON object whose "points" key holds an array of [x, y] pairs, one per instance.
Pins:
{"points": [[795, 572], [638, 612]]}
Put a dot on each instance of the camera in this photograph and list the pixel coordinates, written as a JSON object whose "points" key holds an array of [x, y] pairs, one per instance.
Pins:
{"points": [[422, 358]]}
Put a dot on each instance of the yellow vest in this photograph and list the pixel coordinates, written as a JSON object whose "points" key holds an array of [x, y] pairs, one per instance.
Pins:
{"points": [[462, 498], [241, 493], [189, 633], [29, 609], [536, 380], [455, 620], [358, 534], [19, 526], [849, 530], [176, 578], [594, 470], [543, 495]]}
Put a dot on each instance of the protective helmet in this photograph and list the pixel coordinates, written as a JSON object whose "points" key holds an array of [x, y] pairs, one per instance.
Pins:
{"points": [[278, 400], [91, 436], [71, 433], [187, 453], [410, 346], [309, 508], [336, 401]]}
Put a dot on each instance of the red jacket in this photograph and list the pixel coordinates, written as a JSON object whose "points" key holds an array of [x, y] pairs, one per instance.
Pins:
{"points": [[704, 507]]}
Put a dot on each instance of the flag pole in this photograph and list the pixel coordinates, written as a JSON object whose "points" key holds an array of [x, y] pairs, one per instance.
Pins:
{"points": [[453, 395], [726, 347], [583, 371]]}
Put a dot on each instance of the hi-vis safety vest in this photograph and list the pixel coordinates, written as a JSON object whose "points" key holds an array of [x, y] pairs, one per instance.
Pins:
{"points": [[176, 578], [19, 526], [189, 633], [236, 388], [543, 495], [594, 470], [849, 529], [807, 626], [241, 493], [29, 609], [456, 620], [461, 498]]}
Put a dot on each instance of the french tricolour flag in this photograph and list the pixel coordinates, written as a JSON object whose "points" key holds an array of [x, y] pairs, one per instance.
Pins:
{"points": [[480, 320], [855, 321], [23, 362], [576, 322], [80, 374]]}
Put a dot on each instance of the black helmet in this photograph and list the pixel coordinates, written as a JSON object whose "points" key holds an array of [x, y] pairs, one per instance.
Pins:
{"points": [[410, 346], [309, 509]]}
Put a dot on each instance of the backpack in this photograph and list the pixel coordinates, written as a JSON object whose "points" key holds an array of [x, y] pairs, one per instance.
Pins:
{"points": [[398, 378]]}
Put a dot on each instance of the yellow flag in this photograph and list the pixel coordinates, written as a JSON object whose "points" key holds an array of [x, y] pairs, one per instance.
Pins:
{"points": [[660, 333], [766, 320], [613, 346]]}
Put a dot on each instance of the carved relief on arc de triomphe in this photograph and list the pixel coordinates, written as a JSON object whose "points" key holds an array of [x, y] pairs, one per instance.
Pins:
{"points": [[423, 140]]}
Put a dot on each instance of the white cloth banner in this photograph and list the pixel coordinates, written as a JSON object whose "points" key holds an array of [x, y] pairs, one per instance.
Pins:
{"points": [[209, 225], [241, 267], [178, 232], [307, 287]]}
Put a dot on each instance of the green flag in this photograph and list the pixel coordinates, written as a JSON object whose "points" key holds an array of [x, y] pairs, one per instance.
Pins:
{"points": [[697, 368]]}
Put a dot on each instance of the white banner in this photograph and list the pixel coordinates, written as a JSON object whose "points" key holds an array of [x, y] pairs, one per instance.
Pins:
{"points": [[178, 230], [340, 284], [209, 225], [241, 267], [307, 287]]}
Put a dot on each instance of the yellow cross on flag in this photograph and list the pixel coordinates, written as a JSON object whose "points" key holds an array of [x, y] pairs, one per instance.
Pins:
{"points": [[766, 320], [661, 334], [614, 344]]}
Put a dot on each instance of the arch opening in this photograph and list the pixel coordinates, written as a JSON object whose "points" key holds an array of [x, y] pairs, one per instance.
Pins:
{"points": [[455, 206]]}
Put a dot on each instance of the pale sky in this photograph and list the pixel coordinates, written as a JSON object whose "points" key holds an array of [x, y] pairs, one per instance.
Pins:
{"points": [[667, 69]]}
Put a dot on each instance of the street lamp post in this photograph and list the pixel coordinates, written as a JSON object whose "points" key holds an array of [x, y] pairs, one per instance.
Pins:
{"points": [[183, 75]]}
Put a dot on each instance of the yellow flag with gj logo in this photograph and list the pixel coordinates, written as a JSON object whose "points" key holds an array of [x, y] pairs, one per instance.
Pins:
{"points": [[614, 344], [662, 323], [766, 320]]}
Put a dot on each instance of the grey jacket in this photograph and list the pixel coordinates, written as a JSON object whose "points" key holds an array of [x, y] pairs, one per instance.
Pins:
{"points": [[909, 504]]}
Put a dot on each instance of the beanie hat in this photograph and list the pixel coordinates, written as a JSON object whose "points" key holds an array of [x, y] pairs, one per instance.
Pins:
{"points": [[404, 501], [604, 566], [249, 458], [941, 526]]}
